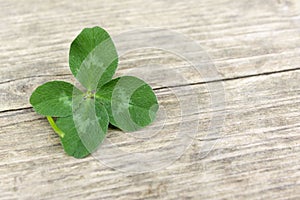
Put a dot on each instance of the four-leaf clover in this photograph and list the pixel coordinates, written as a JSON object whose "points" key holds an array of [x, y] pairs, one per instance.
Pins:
{"points": [[81, 118]]}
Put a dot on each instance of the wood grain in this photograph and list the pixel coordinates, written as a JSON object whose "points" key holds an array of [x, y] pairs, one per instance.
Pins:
{"points": [[255, 48]]}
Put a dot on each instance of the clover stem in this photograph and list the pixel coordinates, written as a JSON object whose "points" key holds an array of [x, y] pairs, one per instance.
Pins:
{"points": [[55, 128]]}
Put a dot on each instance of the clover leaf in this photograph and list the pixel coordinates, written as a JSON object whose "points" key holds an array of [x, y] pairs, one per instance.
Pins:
{"points": [[81, 118], [130, 102]]}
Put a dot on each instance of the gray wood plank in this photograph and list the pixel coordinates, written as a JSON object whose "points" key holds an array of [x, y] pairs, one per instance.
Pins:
{"points": [[255, 155]]}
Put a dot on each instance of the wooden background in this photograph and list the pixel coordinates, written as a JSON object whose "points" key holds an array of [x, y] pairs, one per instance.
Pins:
{"points": [[255, 48]]}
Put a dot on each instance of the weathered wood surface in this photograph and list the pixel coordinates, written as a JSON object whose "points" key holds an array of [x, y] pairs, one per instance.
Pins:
{"points": [[255, 48]]}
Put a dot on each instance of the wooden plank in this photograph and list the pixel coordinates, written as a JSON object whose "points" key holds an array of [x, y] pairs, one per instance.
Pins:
{"points": [[257, 151], [252, 41], [255, 48]]}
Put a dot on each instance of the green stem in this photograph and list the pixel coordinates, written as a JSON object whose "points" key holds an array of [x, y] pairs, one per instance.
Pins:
{"points": [[55, 128]]}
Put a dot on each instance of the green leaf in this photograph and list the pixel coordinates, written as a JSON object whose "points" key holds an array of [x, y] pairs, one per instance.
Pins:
{"points": [[54, 98], [93, 58], [130, 102], [84, 131], [71, 141], [91, 122]]}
